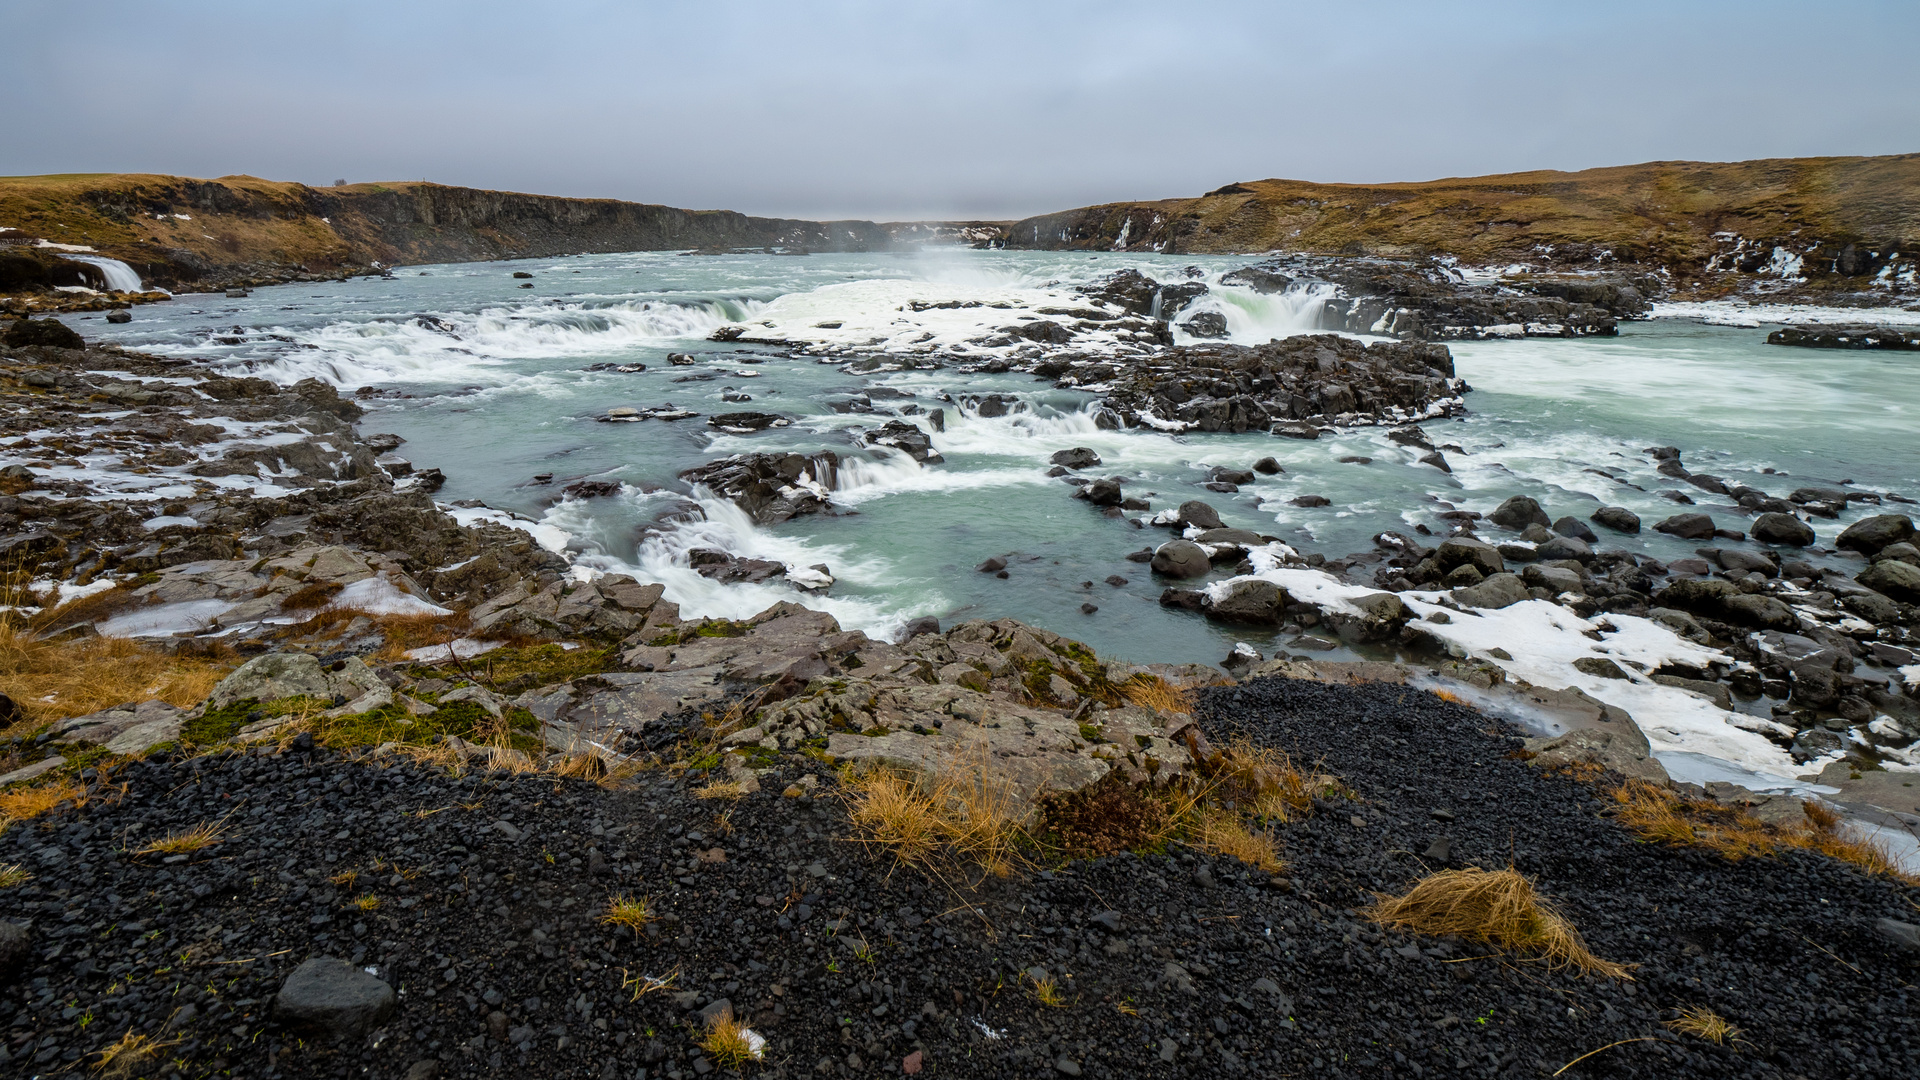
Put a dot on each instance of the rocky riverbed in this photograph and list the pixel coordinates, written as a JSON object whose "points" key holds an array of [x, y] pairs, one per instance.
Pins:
{"points": [[477, 729]]}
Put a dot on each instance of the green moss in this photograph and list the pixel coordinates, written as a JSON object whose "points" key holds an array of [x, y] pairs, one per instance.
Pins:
{"points": [[1092, 733], [218, 725], [704, 761], [722, 628], [512, 671], [758, 757]]}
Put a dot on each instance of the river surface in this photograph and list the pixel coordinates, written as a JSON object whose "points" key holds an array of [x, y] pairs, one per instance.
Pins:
{"points": [[493, 388]]}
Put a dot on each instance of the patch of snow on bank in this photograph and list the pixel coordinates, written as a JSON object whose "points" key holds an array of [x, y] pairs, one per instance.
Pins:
{"points": [[547, 536], [1727, 313], [165, 620], [1543, 640], [378, 595]]}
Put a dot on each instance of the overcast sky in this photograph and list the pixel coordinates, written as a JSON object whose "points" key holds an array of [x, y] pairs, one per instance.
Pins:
{"points": [[898, 110]]}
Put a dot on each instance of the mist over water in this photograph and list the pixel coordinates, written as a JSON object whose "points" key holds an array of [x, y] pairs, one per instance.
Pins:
{"points": [[490, 382]]}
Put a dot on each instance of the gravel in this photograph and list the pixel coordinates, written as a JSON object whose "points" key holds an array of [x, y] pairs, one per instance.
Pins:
{"points": [[1169, 964]]}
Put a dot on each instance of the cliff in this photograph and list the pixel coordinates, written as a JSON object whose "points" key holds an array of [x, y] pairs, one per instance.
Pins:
{"points": [[1835, 219], [175, 230]]}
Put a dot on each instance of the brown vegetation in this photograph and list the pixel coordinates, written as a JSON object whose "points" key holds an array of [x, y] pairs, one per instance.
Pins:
{"points": [[1662, 816], [1703, 1023], [52, 680], [1497, 907], [960, 816]]}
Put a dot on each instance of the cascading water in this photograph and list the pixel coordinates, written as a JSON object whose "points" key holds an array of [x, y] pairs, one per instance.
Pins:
{"points": [[119, 276]]}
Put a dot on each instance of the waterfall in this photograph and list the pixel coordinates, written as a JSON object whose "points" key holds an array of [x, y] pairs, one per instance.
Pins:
{"points": [[120, 277]]}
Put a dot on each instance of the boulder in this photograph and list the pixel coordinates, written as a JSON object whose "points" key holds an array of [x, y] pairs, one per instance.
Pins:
{"points": [[1617, 518], [329, 996], [132, 728], [1465, 551], [1868, 535], [1904, 552], [1687, 526], [1267, 466], [272, 677], [1251, 600], [49, 332], [1102, 492], [1574, 527], [1564, 547], [1518, 513], [1199, 515], [1554, 579], [1498, 591], [907, 438], [1181, 559], [1896, 579], [1777, 528], [1080, 457], [16, 949], [1597, 746]]}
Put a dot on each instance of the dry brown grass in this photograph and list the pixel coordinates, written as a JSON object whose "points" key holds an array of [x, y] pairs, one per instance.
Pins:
{"points": [[12, 874], [52, 680], [369, 902], [1498, 907], [1156, 693], [129, 1054], [960, 815], [1263, 781], [1222, 833], [1662, 816], [632, 912], [1703, 1023], [719, 789], [731, 1042], [23, 804], [186, 841]]}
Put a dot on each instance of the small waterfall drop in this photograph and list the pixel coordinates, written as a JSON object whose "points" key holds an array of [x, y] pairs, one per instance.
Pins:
{"points": [[120, 277]]}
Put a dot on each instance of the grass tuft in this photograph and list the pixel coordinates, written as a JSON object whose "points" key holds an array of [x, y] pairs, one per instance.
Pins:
{"points": [[1046, 991], [960, 815], [369, 902], [1156, 693], [731, 1042], [1498, 907], [1703, 1023], [185, 842], [632, 912], [12, 874], [719, 789], [1222, 833], [129, 1054]]}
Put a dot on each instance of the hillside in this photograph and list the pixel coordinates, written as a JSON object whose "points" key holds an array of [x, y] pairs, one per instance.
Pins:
{"points": [[241, 229], [1843, 218]]}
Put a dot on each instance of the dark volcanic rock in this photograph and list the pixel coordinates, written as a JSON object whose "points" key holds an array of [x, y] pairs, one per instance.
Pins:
{"points": [[1687, 526], [1181, 559], [907, 438], [1777, 528], [332, 997], [49, 332], [771, 487], [1869, 535], [1617, 518], [1236, 388], [1847, 337]]}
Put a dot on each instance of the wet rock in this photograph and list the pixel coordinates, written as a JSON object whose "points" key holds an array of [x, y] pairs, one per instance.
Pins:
{"points": [[1206, 324], [1868, 535], [51, 333], [992, 566], [1102, 492], [1778, 528], [1310, 501], [1198, 515], [1181, 559], [1079, 457], [1564, 547], [1894, 578], [1577, 529], [740, 423], [1518, 512], [332, 997], [771, 487], [1267, 466], [1436, 459], [1553, 579], [907, 438], [1687, 526]]}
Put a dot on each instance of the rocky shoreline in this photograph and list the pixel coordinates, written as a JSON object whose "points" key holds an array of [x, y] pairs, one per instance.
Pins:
{"points": [[385, 660]]}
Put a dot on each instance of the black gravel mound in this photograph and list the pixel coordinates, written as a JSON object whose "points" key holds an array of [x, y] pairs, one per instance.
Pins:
{"points": [[490, 890]]}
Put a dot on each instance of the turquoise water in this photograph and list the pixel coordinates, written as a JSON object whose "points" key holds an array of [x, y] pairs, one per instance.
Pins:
{"points": [[492, 389]]}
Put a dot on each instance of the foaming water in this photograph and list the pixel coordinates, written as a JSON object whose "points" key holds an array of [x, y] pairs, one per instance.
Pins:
{"points": [[119, 276], [490, 382]]}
